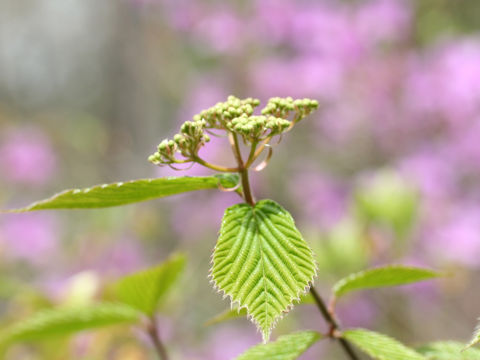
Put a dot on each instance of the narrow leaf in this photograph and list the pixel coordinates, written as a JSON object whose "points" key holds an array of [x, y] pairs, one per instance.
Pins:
{"points": [[381, 347], [448, 350], [476, 337], [287, 347], [145, 289], [122, 193], [262, 262], [64, 321], [392, 275]]}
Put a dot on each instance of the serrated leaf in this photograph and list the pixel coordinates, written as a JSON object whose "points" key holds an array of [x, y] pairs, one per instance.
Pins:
{"points": [[145, 289], [287, 347], [448, 350], [68, 320], [392, 275], [379, 346], [476, 337], [122, 193], [261, 261], [231, 314]]}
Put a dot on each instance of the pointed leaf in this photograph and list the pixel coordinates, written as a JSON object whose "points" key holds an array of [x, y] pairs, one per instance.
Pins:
{"points": [[476, 337], [236, 313], [63, 321], [287, 347], [392, 275], [448, 350], [379, 346], [261, 261], [122, 193], [144, 290]]}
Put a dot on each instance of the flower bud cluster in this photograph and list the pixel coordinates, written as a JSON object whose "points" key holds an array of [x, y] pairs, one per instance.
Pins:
{"points": [[282, 107], [190, 139], [257, 127], [218, 116], [234, 116]]}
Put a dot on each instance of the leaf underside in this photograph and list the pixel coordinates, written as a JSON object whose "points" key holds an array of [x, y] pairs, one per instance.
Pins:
{"points": [[122, 193], [145, 289], [448, 350], [287, 347], [392, 275], [262, 262], [64, 321], [381, 347]]}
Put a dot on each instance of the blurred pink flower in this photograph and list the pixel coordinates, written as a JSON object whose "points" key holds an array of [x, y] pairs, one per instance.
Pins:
{"points": [[121, 258], [222, 30], [273, 17], [444, 84], [456, 239], [383, 20], [357, 312], [201, 214], [323, 199], [431, 171], [466, 148], [318, 77], [26, 156], [30, 237], [314, 28], [229, 342]]}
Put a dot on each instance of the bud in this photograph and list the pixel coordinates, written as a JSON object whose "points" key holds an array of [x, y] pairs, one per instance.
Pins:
{"points": [[177, 138], [163, 145]]}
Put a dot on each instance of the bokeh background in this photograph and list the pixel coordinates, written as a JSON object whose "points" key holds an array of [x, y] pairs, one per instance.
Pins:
{"points": [[386, 171]]}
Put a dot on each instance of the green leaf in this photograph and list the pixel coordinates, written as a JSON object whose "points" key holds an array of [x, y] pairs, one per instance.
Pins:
{"points": [[236, 313], [68, 320], [145, 289], [262, 262], [379, 346], [392, 275], [476, 337], [122, 193], [287, 347], [448, 350]]}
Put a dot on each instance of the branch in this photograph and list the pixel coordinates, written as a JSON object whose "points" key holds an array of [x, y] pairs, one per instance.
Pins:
{"points": [[334, 328]]}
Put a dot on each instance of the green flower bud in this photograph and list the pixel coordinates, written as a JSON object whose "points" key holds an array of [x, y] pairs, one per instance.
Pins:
{"points": [[177, 138], [163, 145]]}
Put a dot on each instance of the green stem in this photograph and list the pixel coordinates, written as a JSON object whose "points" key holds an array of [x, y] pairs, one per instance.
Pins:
{"points": [[242, 170], [251, 156], [213, 166], [247, 191], [334, 327]]}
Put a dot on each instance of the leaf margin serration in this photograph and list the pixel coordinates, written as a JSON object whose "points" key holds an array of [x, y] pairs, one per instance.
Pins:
{"points": [[291, 300]]}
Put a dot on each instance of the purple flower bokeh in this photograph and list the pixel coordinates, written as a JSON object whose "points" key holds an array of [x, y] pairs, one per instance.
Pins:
{"points": [[324, 200], [27, 157], [30, 237]]}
